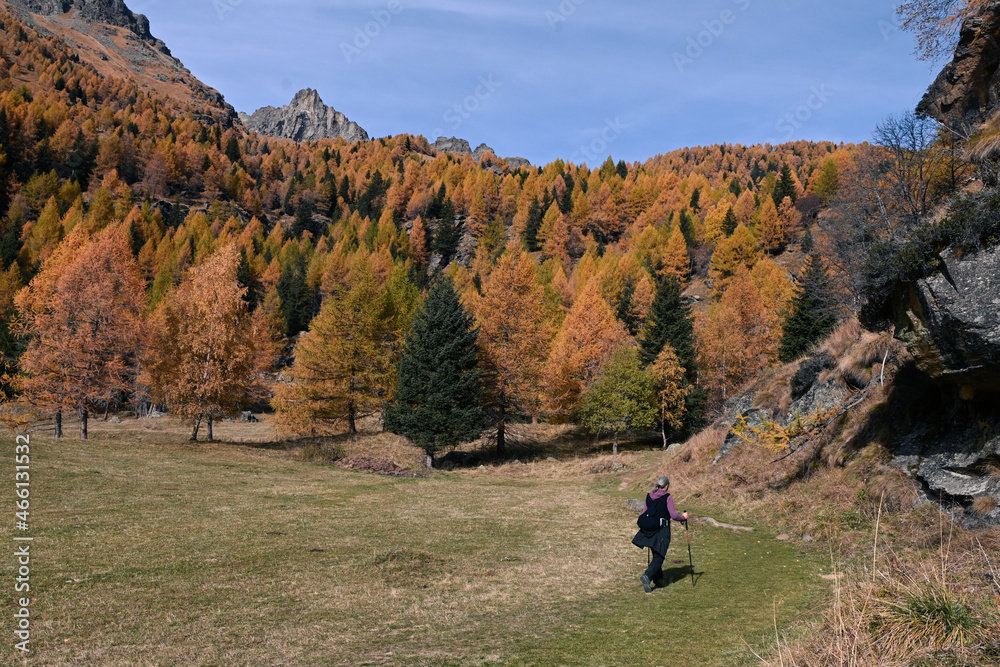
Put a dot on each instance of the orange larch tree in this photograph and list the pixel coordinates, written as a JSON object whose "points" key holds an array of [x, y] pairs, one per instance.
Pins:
{"points": [[83, 317], [202, 357], [586, 340], [513, 338]]}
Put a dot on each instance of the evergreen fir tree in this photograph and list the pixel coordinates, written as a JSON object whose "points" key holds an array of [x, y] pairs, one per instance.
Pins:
{"points": [[625, 312], [785, 187], [696, 200], [813, 315], [448, 234], [246, 278], [670, 322], [296, 298], [533, 225], [439, 399], [729, 223]]}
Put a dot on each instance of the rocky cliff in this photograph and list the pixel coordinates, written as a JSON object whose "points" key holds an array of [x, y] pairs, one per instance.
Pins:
{"points": [[967, 91], [306, 118], [110, 12], [117, 43], [462, 147]]}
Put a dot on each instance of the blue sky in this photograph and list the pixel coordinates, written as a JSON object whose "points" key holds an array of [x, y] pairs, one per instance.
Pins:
{"points": [[571, 79]]}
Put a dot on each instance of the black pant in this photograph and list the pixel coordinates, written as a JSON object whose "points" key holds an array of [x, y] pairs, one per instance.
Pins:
{"points": [[655, 569]]}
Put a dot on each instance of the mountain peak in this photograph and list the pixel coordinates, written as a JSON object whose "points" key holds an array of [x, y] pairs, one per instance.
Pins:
{"points": [[305, 118]]}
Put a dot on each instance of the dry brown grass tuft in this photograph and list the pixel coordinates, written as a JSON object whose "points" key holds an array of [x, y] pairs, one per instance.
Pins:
{"points": [[983, 505], [842, 338], [776, 391]]}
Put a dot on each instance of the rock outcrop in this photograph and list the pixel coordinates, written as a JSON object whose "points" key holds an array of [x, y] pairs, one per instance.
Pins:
{"points": [[110, 12], [951, 321], [462, 147], [306, 118], [117, 43], [967, 91]]}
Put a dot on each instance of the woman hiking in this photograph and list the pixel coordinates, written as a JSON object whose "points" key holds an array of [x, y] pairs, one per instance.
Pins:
{"points": [[654, 531]]}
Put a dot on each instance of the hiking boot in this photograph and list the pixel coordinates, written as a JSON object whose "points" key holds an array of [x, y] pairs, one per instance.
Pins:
{"points": [[646, 584]]}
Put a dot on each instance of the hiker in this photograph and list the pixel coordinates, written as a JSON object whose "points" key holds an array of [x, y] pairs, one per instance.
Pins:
{"points": [[661, 508]]}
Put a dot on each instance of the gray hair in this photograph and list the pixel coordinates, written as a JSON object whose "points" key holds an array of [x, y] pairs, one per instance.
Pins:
{"points": [[662, 483]]}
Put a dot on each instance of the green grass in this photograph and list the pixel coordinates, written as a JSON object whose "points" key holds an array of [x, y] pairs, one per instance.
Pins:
{"points": [[159, 553]]}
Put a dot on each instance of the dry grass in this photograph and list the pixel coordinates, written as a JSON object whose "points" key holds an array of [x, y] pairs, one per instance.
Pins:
{"points": [[915, 607], [157, 551], [984, 505]]}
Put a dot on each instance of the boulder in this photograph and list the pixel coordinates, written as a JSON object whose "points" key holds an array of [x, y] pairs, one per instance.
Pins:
{"points": [[951, 321]]}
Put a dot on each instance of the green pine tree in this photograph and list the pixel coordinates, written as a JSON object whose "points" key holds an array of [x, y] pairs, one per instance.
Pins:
{"points": [[439, 399], [729, 223], [533, 225], [448, 233], [785, 187], [670, 321], [813, 311]]}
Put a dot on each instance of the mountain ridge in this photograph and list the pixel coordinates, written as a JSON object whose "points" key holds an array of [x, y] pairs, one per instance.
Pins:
{"points": [[305, 118]]}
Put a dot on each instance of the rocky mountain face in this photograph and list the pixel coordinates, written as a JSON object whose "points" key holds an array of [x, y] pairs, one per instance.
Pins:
{"points": [[111, 12], [306, 118], [118, 43], [462, 147], [967, 91]]}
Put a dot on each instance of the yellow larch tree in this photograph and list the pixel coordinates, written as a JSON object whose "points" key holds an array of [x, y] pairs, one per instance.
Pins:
{"points": [[514, 335], [588, 335], [202, 355]]}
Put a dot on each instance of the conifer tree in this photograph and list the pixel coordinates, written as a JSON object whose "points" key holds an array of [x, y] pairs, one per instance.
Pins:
{"points": [[729, 222], [670, 323], [812, 315], [439, 396], [785, 187]]}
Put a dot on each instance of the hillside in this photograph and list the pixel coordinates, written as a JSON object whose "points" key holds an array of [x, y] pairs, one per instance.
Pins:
{"points": [[809, 330], [106, 35]]}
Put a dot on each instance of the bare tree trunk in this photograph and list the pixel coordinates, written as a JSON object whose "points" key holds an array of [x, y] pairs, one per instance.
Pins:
{"points": [[663, 432], [209, 425], [59, 433], [429, 460], [194, 432], [614, 448], [352, 425], [501, 440], [107, 409], [83, 421]]}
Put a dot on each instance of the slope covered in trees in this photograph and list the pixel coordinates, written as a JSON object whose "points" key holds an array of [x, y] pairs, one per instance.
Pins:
{"points": [[559, 264]]}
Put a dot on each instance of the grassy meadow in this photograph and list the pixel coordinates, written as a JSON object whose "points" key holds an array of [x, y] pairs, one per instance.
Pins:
{"points": [[149, 550]]}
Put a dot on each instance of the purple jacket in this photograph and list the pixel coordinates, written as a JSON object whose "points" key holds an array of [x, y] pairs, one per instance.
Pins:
{"points": [[659, 493]]}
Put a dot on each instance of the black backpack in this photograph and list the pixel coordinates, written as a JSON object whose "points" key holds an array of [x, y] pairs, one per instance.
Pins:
{"points": [[651, 519]]}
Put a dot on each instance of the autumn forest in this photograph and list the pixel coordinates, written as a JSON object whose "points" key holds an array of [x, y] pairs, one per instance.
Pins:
{"points": [[152, 257]]}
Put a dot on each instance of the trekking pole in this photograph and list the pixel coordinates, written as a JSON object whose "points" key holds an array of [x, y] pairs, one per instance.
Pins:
{"points": [[690, 559]]}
